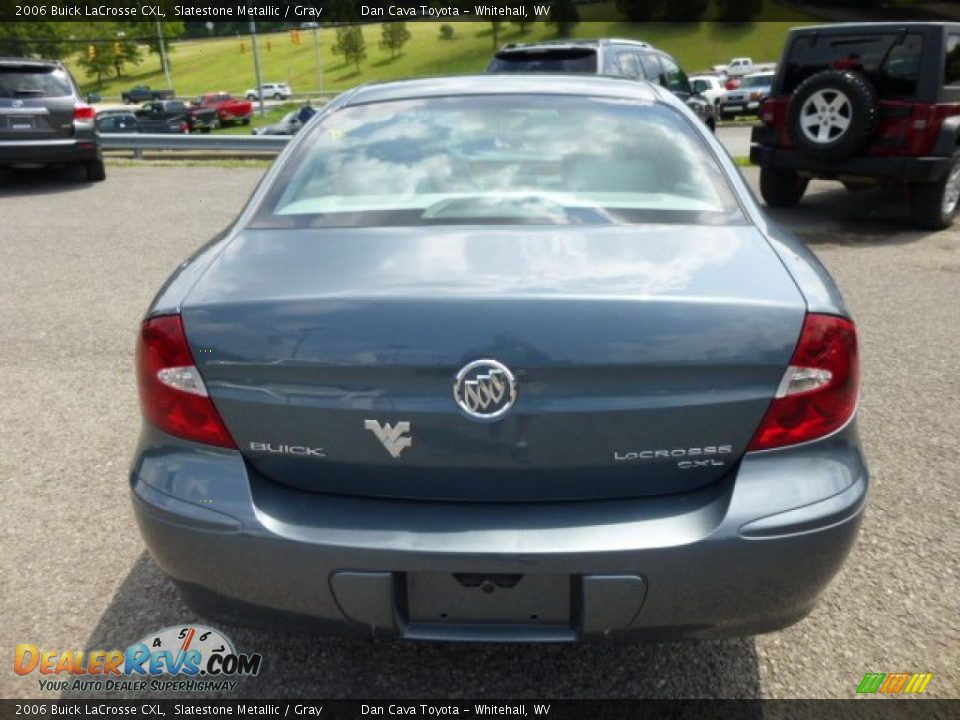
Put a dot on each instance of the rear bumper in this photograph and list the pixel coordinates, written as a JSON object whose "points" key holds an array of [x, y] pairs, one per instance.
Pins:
{"points": [[69, 150], [748, 554], [751, 107], [904, 169]]}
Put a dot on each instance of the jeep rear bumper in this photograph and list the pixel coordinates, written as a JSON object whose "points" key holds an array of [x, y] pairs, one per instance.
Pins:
{"points": [[903, 169]]}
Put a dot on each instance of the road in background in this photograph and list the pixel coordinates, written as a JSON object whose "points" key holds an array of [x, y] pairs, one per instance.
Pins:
{"points": [[80, 264]]}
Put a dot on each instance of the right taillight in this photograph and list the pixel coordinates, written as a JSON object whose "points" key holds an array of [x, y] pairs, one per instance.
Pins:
{"points": [[818, 393], [172, 392], [83, 113]]}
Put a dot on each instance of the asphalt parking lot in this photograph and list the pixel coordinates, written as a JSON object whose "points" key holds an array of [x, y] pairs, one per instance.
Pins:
{"points": [[79, 264]]}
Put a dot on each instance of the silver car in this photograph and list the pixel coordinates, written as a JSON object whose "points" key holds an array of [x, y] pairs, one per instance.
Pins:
{"points": [[511, 358]]}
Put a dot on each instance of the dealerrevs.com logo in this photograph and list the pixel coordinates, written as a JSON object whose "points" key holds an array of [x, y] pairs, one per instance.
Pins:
{"points": [[177, 659]]}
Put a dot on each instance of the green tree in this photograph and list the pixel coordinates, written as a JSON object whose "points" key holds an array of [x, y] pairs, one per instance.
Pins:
{"points": [[351, 45], [683, 10], [565, 17], [495, 26], [523, 25], [738, 10], [638, 10], [394, 36], [96, 61], [124, 51], [35, 39]]}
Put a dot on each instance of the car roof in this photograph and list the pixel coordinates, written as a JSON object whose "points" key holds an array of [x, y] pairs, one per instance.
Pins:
{"points": [[860, 27], [27, 62], [506, 84], [560, 44]]}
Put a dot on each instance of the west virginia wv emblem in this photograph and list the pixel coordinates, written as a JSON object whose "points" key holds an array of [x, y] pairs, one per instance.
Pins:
{"points": [[485, 389]]}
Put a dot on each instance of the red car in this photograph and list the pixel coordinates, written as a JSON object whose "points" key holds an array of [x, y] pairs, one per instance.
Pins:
{"points": [[229, 109]]}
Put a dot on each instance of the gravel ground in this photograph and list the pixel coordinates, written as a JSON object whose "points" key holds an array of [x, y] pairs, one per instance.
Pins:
{"points": [[79, 264]]}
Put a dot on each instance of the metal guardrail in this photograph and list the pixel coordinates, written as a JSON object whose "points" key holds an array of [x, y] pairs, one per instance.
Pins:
{"points": [[195, 143]]}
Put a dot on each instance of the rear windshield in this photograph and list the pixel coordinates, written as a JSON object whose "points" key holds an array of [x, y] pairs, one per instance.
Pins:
{"points": [[890, 60], [576, 60], [19, 82], [501, 159]]}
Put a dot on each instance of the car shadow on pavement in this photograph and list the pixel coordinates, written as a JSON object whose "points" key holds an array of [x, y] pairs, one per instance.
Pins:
{"points": [[829, 213], [314, 666], [43, 181]]}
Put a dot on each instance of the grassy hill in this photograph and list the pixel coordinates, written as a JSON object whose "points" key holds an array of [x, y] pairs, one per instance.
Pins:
{"points": [[227, 64]]}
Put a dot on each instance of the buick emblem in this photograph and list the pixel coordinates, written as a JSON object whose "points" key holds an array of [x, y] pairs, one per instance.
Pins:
{"points": [[485, 389]]}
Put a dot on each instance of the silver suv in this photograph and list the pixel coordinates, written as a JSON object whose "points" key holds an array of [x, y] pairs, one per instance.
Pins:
{"points": [[277, 91], [43, 121]]}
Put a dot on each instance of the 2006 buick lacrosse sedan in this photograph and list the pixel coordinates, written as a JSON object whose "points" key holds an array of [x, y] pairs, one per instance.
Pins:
{"points": [[501, 358]]}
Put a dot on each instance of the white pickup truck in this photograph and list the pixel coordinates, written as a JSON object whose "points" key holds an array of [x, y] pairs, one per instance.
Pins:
{"points": [[738, 67]]}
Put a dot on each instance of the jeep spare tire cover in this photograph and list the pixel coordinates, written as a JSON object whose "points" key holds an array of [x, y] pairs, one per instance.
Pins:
{"points": [[832, 114]]}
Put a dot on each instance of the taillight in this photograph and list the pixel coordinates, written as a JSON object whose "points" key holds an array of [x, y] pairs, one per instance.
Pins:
{"points": [[83, 113], [172, 393], [818, 393]]}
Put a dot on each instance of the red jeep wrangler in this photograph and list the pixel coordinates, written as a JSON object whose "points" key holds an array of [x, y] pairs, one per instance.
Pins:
{"points": [[866, 104]]}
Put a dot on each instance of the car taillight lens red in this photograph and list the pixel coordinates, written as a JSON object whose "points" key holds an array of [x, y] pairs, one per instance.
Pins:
{"points": [[172, 393], [83, 112], [818, 393]]}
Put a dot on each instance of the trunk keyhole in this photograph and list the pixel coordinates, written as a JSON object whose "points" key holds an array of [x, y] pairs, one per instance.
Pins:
{"points": [[487, 586]]}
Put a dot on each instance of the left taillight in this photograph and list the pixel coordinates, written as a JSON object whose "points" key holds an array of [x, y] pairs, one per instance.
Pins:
{"points": [[819, 390], [83, 113], [173, 395]]}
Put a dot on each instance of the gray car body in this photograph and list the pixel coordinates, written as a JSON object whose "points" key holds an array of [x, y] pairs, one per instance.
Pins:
{"points": [[743, 552], [53, 138]]}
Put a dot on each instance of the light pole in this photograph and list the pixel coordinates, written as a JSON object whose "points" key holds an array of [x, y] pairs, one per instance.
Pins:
{"points": [[163, 56], [318, 55], [256, 66]]}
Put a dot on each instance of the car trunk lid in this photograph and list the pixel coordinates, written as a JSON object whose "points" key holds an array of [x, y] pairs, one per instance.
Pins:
{"points": [[644, 356]]}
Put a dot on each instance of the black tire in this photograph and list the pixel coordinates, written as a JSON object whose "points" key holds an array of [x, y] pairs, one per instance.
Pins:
{"points": [[935, 204], [278, 96], [726, 117], [96, 172], [782, 188], [251, 97], [844, 127], [245, 121], [711, 125]]}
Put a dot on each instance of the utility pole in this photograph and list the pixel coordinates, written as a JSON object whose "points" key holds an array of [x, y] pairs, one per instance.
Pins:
{"points": [[317, 54], [256, 66], [163, 56]]}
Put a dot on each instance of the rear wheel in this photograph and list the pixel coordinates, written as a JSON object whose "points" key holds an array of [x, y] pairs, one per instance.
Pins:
{"points": [[935, 204], [782, 188], [245, 121], [96, 172]]}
